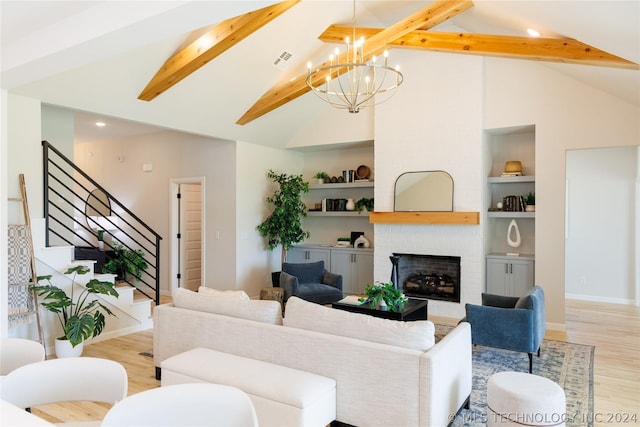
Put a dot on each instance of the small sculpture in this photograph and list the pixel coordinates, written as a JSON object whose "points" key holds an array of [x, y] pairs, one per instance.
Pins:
{"points": [[513, 228]]}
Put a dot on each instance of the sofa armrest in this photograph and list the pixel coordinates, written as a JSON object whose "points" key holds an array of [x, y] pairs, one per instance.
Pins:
{"points": [[508, 328], [446, 377], [332, 279], [499, 300], [289, 283]]}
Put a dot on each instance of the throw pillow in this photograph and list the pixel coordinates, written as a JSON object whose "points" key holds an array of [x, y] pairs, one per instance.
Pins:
{"points": [[264, 311], [229, 294], [417, 335], [525, 302]]}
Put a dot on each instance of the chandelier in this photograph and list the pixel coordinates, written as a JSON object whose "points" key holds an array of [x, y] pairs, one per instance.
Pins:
{"points": [[349, 82]]}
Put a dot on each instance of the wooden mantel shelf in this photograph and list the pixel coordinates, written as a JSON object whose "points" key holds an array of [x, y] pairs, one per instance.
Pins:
{"points": [[442, 218]]}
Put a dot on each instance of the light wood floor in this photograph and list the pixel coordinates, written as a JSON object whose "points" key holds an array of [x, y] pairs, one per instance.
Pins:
{"points": [[613, 329]]}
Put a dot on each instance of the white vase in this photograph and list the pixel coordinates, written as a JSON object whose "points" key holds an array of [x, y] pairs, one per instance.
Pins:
{"points": [[64, 349], [351, 205]]}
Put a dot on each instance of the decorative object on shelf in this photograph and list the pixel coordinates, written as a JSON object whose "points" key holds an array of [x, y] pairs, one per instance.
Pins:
{"points": [[125, 262], [344, 242], [348, 175], [355, 235], [513, 229], [364, 204], [499, 206], [81, 318], [284, 226], [350, 82], [530, 200], [321, 177], [350, 205], [363, 172], [334, 179], [512, 168], [361, 242], [395, 259], [379, 292]]}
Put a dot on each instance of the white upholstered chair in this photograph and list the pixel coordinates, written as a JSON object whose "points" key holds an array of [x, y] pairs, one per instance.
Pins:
{"points": [[16, 352], [65, 380], [194, 404]]}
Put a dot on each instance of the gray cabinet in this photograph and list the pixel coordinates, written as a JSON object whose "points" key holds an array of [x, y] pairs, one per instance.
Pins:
{"points": [[301, 254], [355, 266], [509, 276]]}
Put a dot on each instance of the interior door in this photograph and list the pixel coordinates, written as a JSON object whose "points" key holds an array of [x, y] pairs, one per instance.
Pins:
{"points": [[190, 261]]}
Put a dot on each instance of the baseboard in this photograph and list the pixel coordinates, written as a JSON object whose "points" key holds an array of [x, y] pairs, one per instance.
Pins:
{"points": [[592, 298]]}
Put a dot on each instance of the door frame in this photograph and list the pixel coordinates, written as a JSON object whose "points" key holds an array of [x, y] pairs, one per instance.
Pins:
{"points": [[174, 248]]}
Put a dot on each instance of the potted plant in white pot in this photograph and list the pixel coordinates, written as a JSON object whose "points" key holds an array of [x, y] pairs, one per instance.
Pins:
{"points": [[81, 318], [321, 177], [283, 227]]}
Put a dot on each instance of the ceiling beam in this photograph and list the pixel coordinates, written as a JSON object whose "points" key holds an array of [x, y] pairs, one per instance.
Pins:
{"points": [[532, 48], [426, 18], [214, 42]]}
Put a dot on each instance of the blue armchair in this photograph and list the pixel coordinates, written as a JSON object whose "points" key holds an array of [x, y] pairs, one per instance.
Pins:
{"points": [[311, 282], [509, 323]]}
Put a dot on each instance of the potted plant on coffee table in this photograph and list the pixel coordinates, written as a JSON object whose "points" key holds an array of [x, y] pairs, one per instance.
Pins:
{"points": [[384, 296], [283, 227], [82, 317]]}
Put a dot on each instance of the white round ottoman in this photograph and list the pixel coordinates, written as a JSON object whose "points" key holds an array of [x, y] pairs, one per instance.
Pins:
{"points": [[519, 399]]}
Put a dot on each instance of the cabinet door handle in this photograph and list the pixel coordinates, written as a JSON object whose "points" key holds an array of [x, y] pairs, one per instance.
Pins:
{"points": [[506, 269], [307, 255], [510, 268]]}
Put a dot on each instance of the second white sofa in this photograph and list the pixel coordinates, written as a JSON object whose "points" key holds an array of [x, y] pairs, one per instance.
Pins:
{"points": [[386, 372]]}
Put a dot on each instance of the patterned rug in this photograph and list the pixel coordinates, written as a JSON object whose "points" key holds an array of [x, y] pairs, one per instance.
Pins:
{"points": [[569, 365]]}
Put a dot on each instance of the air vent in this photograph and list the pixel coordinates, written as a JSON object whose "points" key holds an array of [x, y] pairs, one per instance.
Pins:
{"points": [[282, 61]]}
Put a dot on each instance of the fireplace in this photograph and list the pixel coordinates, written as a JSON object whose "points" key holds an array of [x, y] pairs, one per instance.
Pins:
{"points": [[429, 276]]}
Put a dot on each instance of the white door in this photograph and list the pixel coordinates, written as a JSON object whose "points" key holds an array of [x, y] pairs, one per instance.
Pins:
{"points": [[190, 218]]}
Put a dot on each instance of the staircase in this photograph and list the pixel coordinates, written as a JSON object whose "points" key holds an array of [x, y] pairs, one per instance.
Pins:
{"points": [[132, 310]]}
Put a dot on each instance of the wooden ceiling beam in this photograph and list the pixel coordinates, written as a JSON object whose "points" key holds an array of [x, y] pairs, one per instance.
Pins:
{"points": [[531, 48], [216, 41], [434, 14]]}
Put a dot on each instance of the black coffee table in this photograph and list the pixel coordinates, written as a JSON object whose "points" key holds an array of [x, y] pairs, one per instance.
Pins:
{"points": [[414, 309]]}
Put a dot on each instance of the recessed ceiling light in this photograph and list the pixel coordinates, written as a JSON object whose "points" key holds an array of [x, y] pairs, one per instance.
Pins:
{"points": [[533, 33], [101, 124]]}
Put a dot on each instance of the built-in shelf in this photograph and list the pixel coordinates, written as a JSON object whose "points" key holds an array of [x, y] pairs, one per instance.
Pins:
{"points": [[338, 213], [503, 214], [355, 184], [510, 179], [442, 218]]}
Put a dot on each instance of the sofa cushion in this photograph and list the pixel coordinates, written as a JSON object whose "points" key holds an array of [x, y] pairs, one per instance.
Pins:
{"points": [[265, 311], [417, 335], [310, 272], [525, 302], [229, 294]]}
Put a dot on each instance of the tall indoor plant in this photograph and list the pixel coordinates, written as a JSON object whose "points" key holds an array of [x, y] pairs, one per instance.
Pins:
{"points": [[81, 318], [283, 227]]}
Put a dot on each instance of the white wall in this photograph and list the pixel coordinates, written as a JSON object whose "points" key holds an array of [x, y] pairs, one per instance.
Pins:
{"points": [[254, 262], [20, 153], [601, 232], [434, 122], [172, 155], [567, 115]]}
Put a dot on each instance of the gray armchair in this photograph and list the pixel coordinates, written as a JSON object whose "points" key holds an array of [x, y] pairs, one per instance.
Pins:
{"points": [[311, 282], [510, 323]]}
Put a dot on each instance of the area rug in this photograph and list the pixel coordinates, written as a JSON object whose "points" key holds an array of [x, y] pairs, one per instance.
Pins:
{"points": [[569, 365]]}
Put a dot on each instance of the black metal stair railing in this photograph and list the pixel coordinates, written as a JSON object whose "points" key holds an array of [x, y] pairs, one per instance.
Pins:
{"points": [[66, 198]]}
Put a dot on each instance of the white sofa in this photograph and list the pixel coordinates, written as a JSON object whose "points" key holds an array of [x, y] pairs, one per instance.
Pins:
{"points": [[387, 372]]}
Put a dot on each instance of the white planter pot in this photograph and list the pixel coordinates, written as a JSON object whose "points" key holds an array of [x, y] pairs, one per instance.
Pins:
{"points": [[64, 349]]}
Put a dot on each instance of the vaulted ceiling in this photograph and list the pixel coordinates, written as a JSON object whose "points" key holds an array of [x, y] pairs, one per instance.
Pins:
{"points": [[143, 61]]}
